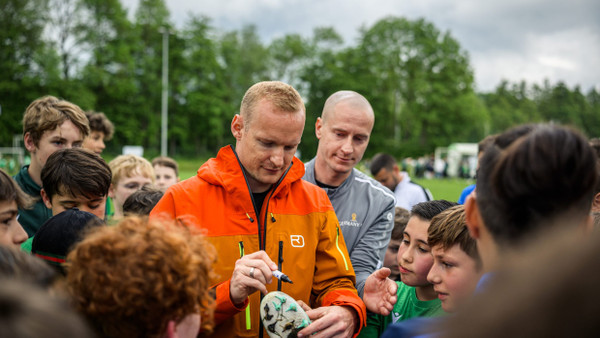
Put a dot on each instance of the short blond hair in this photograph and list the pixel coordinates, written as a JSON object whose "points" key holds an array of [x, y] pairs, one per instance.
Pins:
{"points": [[49, 112], [283, 96], [129, 165]]}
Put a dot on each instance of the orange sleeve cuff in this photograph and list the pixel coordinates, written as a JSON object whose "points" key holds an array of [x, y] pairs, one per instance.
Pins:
{"points": [[346, 297], [224, 306]]}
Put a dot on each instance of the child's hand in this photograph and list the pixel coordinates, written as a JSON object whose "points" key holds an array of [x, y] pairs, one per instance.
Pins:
{"points": [[379, 294]]}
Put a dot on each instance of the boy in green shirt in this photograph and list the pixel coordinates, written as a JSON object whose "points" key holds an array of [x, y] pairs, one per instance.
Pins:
{"points": [[415, 295]]}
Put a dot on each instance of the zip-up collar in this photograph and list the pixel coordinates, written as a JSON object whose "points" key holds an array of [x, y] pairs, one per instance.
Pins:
{"points": [[220, 171], [331, 192]]}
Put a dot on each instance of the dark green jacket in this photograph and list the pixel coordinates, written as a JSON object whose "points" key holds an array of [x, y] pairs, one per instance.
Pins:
{"points": [[31, 219]]}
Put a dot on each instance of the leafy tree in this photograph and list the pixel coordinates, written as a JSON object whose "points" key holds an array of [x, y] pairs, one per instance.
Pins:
{"points": [[110, 72], [27, 62], [420, 87]]}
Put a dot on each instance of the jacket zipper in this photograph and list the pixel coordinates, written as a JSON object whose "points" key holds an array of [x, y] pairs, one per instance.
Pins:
{"points": [[280, 264], [248, 319], [337, 245]]}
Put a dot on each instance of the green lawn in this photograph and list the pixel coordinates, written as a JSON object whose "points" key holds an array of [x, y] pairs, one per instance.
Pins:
{"points": [[447, 189]]}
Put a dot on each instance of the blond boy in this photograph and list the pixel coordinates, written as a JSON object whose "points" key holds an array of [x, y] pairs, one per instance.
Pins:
{"points": [[49, 124], [129, 174], [456, 265]]}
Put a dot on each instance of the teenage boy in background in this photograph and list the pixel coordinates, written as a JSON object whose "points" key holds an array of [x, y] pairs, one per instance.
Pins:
{"points": [[49, 124]]}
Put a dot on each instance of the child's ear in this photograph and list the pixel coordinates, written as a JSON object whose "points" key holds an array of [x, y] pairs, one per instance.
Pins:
{"points": [[171, 330], [111, 191], [46, 199], [28, 141], [596, 203], [472, 217]]}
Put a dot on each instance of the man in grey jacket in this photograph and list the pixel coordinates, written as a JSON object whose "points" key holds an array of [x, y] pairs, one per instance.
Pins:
{"points": [[364, 207]]}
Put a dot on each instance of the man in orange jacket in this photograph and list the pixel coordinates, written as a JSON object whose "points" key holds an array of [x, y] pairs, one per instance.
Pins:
{"points": [[261, 216]]}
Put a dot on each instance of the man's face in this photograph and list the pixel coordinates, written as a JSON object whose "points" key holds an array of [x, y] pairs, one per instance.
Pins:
{"points": [[64, 136], [267, 145], [165, 177], [343, 137], [95, 142], [454, 276], [62, 201], [388, 178], [414, 254]]}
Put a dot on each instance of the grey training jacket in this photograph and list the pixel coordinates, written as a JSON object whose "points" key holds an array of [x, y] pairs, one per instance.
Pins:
{"points": [[365, 210]]}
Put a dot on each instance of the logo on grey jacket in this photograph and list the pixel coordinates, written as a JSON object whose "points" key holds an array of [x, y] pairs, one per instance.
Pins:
{"points": [[351, 222]]}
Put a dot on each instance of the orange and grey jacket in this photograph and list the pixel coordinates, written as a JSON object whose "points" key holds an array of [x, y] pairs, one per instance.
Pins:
{"points": [[296, 227]]}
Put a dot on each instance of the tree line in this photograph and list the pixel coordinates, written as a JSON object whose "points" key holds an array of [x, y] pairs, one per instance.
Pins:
{"points": [[418, 78]]}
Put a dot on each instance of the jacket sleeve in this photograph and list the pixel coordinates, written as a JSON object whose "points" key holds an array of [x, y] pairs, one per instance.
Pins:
{"points": [[333, 282], [369, 251], [224, 308]]}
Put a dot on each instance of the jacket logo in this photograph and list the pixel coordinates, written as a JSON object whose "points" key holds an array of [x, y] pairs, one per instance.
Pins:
{"points": [[297, 241], [354, 217]]}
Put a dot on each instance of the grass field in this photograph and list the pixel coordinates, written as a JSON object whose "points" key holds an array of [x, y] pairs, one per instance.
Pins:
{"points": [[448, 189]]}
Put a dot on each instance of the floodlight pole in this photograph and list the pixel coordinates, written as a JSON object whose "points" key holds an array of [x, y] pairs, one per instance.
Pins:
{"points": [[165, 91]]}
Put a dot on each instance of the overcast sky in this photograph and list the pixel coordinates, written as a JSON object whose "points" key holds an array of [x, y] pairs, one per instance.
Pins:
{"points": [[558, 40]]}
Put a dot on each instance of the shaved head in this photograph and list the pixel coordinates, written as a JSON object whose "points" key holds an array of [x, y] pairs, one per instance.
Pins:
{"points": [[351, 98]]}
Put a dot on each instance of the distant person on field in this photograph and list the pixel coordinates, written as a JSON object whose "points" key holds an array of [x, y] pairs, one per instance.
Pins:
{"points": [[12, 198], [142, 201], [143, 278], [166, 170], [101, 129], [414, 295], [481, 146], [129, 174], [391, 254], [49, 124], [364, 208], [385, 170], [74, 178]]}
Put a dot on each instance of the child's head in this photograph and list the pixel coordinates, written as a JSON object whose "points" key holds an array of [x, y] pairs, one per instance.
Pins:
{"points": [[56, 237], [390, 259], [101, 129], [11, 199], [50, 124], [456, 263], [129, 174], [166, 170], [142, 201], [414, 254], [76, 178], [160, 272], [532, 177]]}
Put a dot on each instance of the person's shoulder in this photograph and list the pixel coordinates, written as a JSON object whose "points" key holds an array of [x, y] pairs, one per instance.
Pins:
{"points": [[310, 195], [371, 186]]}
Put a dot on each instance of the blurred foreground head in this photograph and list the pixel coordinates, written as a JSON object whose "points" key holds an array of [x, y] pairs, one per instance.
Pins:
{"points": [[142, 278]]}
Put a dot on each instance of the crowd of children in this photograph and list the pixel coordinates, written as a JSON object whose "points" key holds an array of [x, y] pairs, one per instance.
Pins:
{"points": [[537, 197]]}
